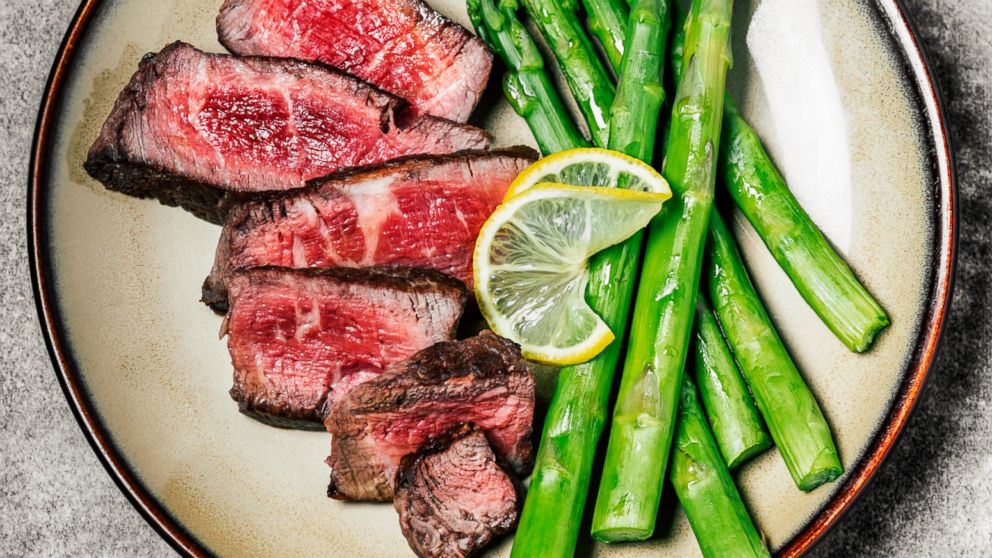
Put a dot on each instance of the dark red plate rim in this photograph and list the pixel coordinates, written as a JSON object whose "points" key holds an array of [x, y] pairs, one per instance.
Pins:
{"points": [[944, 255]]}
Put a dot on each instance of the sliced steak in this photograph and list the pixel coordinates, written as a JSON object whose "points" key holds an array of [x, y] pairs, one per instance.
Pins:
{"points": [[293, 333], [377, 422], [453, 497], [192, 127], [402, 46], [423, 212]]}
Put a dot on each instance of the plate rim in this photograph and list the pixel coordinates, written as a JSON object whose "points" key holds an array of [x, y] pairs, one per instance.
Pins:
{"points": [[900, 27]]}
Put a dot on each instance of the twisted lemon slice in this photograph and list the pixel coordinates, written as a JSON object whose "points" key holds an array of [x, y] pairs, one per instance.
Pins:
{"points": [[531, 264]]}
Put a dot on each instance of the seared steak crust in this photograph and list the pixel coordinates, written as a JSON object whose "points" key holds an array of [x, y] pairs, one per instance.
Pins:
{"points": [[193, 129], [402, 46], [453, 497], [419, 212], [374, 424], [294, 333]]}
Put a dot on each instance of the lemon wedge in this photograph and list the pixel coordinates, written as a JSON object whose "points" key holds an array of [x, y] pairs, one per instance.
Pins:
{"points": [[531, 264], [591, 166]]}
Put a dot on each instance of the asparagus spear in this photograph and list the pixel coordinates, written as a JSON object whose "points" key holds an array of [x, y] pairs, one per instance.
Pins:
{"points": [[818, 272], [823, 279], [556, 498], [644, 417], [793, 416], [608, 22], [735, 421], [676, 53], [791, 412], [640, 93], [586, 76], [526, 85], [705, 488], [552, 513]]}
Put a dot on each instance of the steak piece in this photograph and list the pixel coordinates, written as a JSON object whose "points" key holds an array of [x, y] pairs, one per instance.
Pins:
{"points": [[375, 423], [294, 333], [192, 127], [401, 46], [453, 497], [423, 212]]}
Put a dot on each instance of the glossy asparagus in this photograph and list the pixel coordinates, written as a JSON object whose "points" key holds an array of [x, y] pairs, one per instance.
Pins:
{"points": [[640, 92], [607, 21], [578, 412], [737, 427], [790, 410], [526, 83], [818, 272], [587, 78], [644, 416], [552, 513], [822, 277], [734, 420], [705, 488]]}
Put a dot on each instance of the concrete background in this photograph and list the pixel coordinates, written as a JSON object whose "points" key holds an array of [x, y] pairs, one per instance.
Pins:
{"points": [[932, 498]]}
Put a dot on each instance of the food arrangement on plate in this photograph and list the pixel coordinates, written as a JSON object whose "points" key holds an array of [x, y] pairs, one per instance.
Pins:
{"points": [[360, 214]]}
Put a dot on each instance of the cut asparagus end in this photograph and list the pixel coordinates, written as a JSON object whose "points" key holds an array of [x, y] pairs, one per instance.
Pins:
{"points": [[757, 448], [862, 339], [822, 474], [622, 534]]}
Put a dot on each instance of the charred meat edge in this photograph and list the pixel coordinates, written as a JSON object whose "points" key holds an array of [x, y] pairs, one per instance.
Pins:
{"points": [[109, 163], [399, 278], [213, 292], [406, 476], [423, 369]]}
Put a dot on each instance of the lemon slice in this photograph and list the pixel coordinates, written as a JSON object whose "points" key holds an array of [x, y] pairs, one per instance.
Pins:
{"points": [[531, 265], [591, 166]]}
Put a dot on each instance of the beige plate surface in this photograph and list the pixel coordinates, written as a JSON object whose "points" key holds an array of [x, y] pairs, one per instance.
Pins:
{"points": [[825, 84]]}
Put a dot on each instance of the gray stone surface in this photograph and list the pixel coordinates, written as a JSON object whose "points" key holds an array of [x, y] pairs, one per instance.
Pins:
{"points": [[933, 497]]}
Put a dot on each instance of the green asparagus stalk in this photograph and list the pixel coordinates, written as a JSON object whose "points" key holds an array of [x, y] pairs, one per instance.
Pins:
{"points": [[705, 488], [552, 513], [797, 425], [735, 421], [559, 485], [608, 22], [818, 272], [526, 84], [644, 417], [822, 277], [676, 54], [640, 93], [556, 498], [794, 418], [586, 76]]}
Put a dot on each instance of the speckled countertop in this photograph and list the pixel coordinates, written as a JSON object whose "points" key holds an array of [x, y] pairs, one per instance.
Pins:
{"points": [[933, 497]]}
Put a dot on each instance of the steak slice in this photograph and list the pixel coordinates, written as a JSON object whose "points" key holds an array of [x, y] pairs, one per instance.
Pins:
{"points": [[293, 333], [375, 423], [424, 212], [192, 127], [453, 497], [401, 46]]}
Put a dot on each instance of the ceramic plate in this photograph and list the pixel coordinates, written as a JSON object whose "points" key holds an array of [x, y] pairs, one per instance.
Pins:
{"points": [[838, 89]]}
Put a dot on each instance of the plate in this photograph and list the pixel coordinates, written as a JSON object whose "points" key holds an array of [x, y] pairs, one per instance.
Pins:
{"points": [[838, 89]]}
